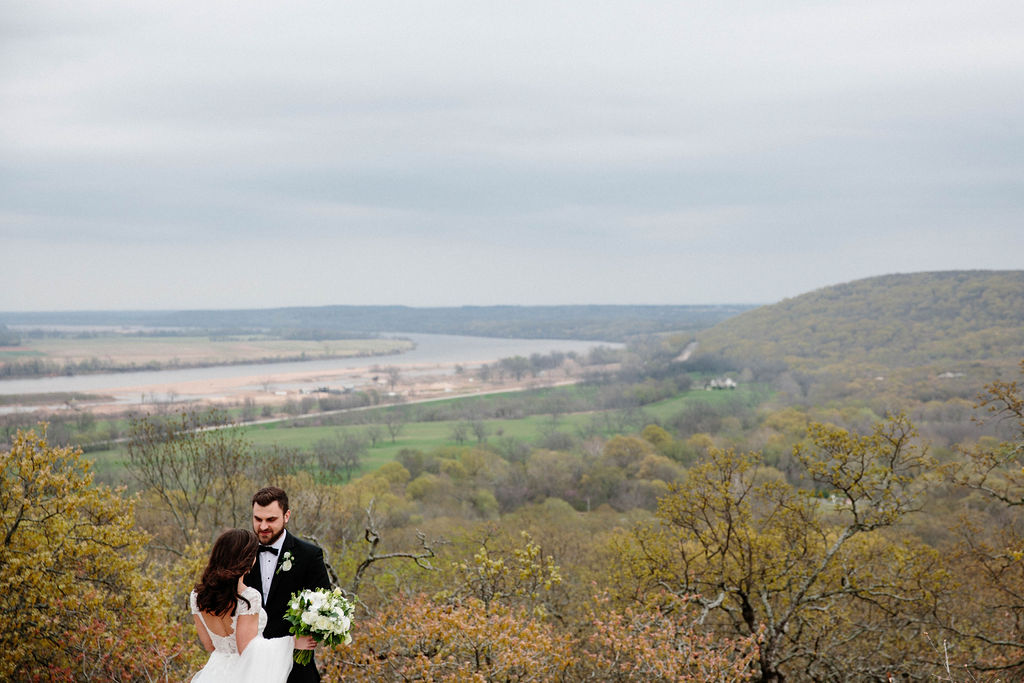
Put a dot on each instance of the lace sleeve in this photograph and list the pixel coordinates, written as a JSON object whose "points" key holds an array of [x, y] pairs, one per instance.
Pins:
{"points": [[192, 602], [253, 596]]}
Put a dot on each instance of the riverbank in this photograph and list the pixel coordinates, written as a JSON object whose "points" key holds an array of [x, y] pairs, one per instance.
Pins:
{"points": [[70, 354], [437, 366]]}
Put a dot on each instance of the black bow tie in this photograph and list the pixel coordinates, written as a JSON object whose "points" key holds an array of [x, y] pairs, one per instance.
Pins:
{"points": [[268, 549]]}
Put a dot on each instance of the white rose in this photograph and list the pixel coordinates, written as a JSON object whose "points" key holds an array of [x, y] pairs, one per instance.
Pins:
{"points": [[308, 617]]}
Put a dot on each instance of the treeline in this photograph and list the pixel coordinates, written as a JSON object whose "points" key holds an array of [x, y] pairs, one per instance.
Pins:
{"points": [[9, 337], [607, 323], [42, 367]]}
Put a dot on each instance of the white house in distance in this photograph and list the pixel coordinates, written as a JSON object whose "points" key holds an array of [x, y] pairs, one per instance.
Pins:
{"points": [[720, 383]]}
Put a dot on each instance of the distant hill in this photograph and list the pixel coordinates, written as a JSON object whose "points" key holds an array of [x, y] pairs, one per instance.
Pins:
{"points": [[938, 319], [604, 323]]}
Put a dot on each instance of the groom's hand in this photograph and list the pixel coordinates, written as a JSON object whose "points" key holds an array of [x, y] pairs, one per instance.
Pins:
{"points": [[304, 643]]}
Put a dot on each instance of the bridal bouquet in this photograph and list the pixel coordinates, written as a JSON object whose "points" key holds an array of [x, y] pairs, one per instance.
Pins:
{"points": [[323, 613]]}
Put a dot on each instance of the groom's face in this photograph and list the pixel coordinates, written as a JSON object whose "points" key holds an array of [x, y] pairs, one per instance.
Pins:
{"points": [[268, 521]]}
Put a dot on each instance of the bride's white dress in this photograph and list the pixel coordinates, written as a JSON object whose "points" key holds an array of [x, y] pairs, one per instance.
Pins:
{"points": [[264, 660]]}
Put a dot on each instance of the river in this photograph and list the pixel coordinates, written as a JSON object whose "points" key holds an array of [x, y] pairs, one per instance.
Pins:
{"points": [[431, 349]]}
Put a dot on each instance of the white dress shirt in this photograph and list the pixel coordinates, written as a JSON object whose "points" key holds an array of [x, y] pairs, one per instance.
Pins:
{"points": [[268, 563]]}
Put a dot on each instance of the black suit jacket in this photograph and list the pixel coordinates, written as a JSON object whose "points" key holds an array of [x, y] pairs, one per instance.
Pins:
{"points": [[307, 571]]}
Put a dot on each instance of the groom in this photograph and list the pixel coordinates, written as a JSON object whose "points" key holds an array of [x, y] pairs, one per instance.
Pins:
{"points": [[284, 564]]}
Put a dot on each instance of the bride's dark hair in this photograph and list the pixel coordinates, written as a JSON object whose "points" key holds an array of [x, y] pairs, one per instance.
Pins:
{"points": [[232, 556]]}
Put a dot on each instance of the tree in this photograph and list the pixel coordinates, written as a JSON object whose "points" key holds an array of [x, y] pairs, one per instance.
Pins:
{"points": [[459, 431], [626, 452], [554, 474], [371, 534], [520, 575], [555, 406], [997, 469], [248, 409], [484, 372], [393, 372], [72, 595], [480, 430], [495, 622], [991, 547], [342, 453], [517, 366], [374, 432], [764, 558], [271, 465], [414, 638], [394, 422], [657, 437], [661, 643], [195, 473]]}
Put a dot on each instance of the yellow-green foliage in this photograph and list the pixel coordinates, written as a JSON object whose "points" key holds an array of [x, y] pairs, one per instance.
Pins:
{"points": [[69, 564], [768, 560], [893, 321]]}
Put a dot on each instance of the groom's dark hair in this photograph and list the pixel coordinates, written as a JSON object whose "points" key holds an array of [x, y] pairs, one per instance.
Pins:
{"points": [[268, 494]]}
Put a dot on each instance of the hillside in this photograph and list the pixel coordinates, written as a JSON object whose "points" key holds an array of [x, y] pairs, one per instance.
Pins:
{"points": [[940, 320]]}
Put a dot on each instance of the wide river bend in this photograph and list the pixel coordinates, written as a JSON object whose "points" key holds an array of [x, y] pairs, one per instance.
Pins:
{"points": [[431, 349]]}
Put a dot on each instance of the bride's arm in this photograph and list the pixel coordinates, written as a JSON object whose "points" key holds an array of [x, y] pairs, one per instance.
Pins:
{"points": [[204, 637], [246, 629]]}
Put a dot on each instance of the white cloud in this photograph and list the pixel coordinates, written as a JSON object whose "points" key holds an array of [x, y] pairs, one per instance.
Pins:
{"points": [[551, 152]]}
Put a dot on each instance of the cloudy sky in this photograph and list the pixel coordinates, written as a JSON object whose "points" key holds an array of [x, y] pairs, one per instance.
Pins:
{"points": [[202, 154]]}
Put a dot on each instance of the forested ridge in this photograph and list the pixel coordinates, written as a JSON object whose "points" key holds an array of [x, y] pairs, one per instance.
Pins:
{"points": [[898, 320], [853, 510], [605, 323]]}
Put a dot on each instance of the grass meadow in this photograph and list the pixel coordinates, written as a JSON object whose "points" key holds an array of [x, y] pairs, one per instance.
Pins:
{"points": [[299, 434]]}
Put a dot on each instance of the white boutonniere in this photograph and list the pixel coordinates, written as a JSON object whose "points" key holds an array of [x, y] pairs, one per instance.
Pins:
{"points": [[286, 563]]}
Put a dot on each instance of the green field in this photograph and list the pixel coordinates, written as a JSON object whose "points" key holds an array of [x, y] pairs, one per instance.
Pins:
{"points": [[427, 436], [424, 436], [747, 395]]}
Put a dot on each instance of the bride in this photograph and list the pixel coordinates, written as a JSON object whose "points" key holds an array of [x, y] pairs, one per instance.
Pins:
{"points": [[230, 619]]}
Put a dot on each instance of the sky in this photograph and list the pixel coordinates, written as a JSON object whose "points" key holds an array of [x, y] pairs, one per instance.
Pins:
{"points": [[210, 155]]}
